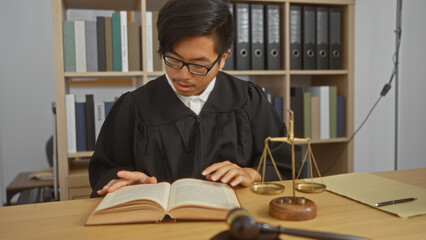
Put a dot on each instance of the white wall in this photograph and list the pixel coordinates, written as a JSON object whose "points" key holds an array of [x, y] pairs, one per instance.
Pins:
{"points": [[375, 22], [374, 47], [412, 91], [27, 85]]}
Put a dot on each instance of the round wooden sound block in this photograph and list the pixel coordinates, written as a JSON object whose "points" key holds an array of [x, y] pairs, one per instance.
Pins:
{"points": [[292, 208]]}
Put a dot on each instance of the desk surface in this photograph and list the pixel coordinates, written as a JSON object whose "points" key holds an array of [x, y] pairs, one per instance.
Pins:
{"points": [[23, 181], [65, 220]]}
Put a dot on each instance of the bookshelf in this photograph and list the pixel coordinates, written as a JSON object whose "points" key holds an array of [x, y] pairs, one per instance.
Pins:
{"points": [[72, 173]]}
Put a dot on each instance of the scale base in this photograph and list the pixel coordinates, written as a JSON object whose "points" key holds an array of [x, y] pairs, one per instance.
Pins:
{"points": [[292, 208]]}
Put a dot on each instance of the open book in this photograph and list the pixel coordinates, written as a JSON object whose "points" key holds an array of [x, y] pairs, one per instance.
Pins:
{"points": [[189, 199]]}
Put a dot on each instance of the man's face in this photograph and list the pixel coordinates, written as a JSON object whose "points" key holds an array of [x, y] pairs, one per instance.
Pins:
{"points": [[198, 50]]}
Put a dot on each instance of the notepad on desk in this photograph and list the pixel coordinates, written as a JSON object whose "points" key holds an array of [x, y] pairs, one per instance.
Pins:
{"points": [[371, 189]]}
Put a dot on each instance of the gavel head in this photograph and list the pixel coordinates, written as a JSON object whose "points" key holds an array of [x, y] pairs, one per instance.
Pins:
{"points": [[242, 225]]}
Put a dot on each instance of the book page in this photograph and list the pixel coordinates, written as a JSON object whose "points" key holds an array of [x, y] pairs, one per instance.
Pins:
{"points": [[155, 192], [204, 193]]}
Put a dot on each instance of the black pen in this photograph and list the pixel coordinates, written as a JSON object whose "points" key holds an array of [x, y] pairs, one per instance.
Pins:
{"points": [[380, 204]]}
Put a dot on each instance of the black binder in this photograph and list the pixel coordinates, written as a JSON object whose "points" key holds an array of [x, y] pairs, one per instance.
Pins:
{"points": [[309, 59], [273, 37], [230, 60], [242, 36], [335, 19], [295, 37], [322, 38], [257, 44]]}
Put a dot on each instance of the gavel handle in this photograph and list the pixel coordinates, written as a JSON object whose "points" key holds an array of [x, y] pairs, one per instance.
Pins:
{"points": [[307, 233]]}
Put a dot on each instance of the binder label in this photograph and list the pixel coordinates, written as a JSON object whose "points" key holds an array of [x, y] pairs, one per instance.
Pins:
{"points": [[243, 36], [274, 26], [257, 26], [295, 30]]}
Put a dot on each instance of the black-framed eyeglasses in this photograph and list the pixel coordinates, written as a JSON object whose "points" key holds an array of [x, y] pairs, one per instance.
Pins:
{"points": [[194, 68]]}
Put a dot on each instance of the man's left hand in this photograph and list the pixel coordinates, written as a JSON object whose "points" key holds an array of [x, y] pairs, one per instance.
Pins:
{"points": [[228, 172]]}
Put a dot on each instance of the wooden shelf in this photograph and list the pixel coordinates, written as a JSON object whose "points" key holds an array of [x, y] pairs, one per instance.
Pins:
{"points": [[80, 154], [281, 80], [102, 74]]}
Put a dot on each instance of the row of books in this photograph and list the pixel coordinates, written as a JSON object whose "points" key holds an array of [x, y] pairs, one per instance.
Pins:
{"points": [[107, 44], [257, 44], [84, 121], [319, 113], [315, 37]]}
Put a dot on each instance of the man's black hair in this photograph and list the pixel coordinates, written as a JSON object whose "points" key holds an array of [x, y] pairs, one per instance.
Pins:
{"points": [[178, 19]]}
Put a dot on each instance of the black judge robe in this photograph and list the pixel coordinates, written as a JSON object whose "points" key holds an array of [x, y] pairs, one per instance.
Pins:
{"points": [[152, 131]]}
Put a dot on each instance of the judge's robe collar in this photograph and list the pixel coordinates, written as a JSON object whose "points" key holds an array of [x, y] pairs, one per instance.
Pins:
{"points": [[158, 104]]}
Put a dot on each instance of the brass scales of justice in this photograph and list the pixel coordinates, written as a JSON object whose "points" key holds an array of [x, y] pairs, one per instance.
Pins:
{"points": [[289, 207]]}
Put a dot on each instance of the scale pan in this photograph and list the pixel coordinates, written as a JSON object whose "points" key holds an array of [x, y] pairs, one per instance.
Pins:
{"points": [[310, 187], [266, 188]]}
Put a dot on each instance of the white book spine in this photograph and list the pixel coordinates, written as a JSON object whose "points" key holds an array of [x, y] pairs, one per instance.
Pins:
{"points": [[149, 43], [325, 112], [323, 94], [70, 119], [99, 117], [80, 46], [124, 44]]}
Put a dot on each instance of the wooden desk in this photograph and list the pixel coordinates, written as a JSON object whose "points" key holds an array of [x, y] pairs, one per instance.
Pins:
{"points": [[65, 220], [23, 182]]}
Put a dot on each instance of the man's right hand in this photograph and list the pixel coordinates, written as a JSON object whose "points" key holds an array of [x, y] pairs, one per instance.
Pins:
{"points": [[127, 178]]}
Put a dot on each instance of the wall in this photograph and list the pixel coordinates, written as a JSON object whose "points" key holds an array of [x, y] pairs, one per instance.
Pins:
{"points": [[412, 82], [27, 86], [375, 22]]}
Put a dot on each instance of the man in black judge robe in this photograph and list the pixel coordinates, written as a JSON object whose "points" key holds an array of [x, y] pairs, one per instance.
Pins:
{"points": [[194, 121]]}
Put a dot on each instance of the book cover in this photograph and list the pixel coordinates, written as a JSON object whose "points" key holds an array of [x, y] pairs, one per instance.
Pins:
{"points": [[278, 104], [80, 125], [70, 121], [323, 94], [149, 43], [109, 59], [116, 42], [333, 111], [69, 46], [184, 199], [91, 46], [90, 122], [296, 105], [100, 38], [108, 106], [80, 46], [124, 46], [340, 116], [99, 117], [315, 118], [307, 115], [134, 46]]}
